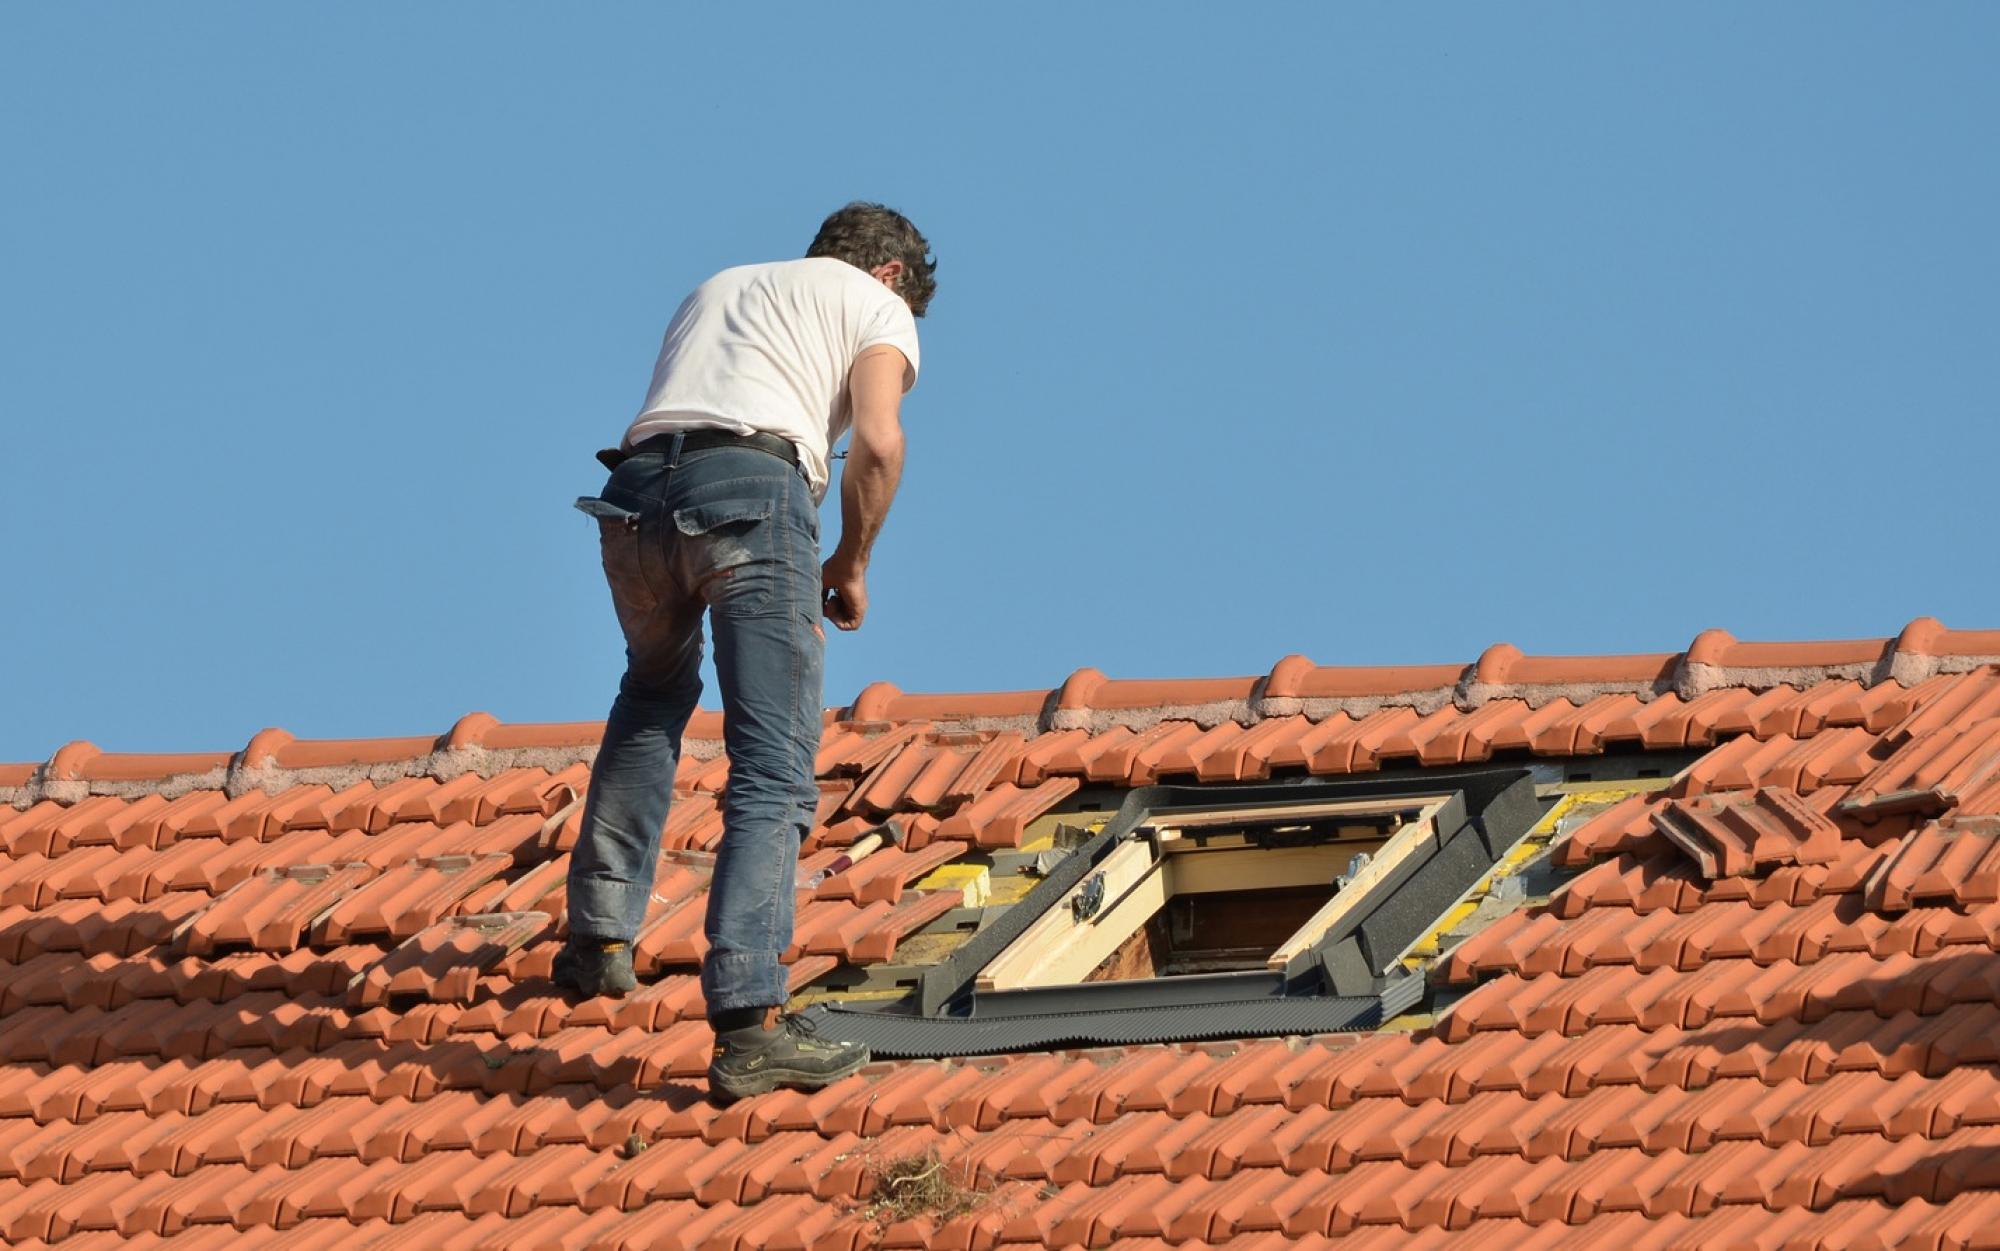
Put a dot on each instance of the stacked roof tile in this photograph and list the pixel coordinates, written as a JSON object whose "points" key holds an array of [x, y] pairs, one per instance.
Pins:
{"points": [[296, 995]]}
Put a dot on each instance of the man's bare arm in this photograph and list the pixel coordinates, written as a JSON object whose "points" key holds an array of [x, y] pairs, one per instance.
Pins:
{"points": [[868, 484]]}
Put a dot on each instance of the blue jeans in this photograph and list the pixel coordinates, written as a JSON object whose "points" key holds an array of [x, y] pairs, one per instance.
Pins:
{"points": [[734, 532]]}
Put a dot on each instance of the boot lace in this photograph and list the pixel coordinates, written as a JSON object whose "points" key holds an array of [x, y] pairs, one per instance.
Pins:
{"points": [[803, 1026]]}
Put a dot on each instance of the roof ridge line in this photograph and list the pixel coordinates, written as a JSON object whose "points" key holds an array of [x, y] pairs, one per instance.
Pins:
{"points": [[1295, 685], [1086, 700]]}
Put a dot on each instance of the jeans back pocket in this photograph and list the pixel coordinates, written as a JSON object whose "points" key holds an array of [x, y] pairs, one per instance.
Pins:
{"points": [[728, 548], [620, 540]]}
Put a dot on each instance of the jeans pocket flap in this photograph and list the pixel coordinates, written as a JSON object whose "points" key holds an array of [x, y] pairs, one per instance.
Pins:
{"points": [[702, 518], [604, 510]]}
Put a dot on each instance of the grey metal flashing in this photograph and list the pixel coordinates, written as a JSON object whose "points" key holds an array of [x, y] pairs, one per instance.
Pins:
{"points": [[896, 1036]]}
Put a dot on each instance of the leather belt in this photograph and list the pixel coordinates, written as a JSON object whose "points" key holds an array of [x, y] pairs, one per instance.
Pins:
{"points": [[698, 440]]}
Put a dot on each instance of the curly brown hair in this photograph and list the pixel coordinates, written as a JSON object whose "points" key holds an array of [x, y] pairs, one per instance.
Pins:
{"points": [[866, 235]]}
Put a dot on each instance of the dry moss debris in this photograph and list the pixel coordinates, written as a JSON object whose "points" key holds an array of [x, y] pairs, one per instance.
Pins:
{"points": [[920, 1185]]}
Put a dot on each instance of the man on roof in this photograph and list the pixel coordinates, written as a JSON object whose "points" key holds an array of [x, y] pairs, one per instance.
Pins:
{"points": [[713, 507]]}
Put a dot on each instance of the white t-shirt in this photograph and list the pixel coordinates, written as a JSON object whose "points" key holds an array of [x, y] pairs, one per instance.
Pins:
{"points": [[768, 348]]}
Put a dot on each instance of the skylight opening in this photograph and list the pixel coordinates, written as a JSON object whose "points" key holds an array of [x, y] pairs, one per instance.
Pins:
{"points": [[1216, 891]]}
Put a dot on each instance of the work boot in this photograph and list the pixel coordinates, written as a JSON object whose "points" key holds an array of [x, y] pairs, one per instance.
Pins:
{"points": [[777, 1050], [595, 966]]}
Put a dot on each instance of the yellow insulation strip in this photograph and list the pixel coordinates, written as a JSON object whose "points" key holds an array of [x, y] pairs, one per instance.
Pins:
{"points": [[972, 881], [1011, 889]]}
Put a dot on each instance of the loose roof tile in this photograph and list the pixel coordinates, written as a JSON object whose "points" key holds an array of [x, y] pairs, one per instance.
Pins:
{"points": [[1733, 835]]}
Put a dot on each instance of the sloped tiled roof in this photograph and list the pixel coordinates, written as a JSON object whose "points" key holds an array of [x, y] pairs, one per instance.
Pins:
{"points": [[295, 995]]}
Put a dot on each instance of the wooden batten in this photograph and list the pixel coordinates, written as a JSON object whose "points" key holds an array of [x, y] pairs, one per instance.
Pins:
{"points": [[1061, 947]]}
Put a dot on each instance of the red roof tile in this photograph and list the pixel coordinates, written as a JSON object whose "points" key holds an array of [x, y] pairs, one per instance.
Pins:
{"points": [[1733, 835], [1935, 771], [298, 992]]}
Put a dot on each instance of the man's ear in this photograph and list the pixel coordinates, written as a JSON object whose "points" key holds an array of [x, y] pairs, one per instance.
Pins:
{"points": [[889, 274]]}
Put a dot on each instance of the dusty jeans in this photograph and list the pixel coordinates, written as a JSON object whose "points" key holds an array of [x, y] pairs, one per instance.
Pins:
{"points": [[735, 532]]}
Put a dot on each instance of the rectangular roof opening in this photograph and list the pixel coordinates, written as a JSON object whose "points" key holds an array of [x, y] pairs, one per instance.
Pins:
{"points": [[1216, 890], [1263, 924]]}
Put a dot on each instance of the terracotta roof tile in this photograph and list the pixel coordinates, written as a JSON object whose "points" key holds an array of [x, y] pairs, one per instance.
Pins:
{"points": [[1955, 859], [1731, 836], [1625, 827], [1945, 702], [1936, 771], [272, 909], [445, 961], [407, 898], [999, 818]]}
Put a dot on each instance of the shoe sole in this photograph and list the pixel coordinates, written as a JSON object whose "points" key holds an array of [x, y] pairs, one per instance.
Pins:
{"points": [[771, 1079]]}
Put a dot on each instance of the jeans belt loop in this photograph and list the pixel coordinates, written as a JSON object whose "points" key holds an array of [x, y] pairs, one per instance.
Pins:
{"points": [[674, 456]]}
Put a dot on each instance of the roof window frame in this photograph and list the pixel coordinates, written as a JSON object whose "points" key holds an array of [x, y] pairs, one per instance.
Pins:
{"points": [[1212, 849], [1349, 978]]}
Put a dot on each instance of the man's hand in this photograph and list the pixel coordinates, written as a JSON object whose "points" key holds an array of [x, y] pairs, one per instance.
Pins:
{"points": [[846, 583]]}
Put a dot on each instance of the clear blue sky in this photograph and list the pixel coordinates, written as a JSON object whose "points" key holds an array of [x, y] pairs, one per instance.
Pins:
{"points": [[1374, 333]]}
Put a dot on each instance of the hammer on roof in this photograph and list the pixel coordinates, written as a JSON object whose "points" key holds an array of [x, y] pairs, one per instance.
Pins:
{"points": [[889, 832]]}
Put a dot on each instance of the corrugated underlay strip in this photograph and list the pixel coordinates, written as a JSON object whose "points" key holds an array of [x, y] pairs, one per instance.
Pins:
{"points": [[915, 1037]]}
